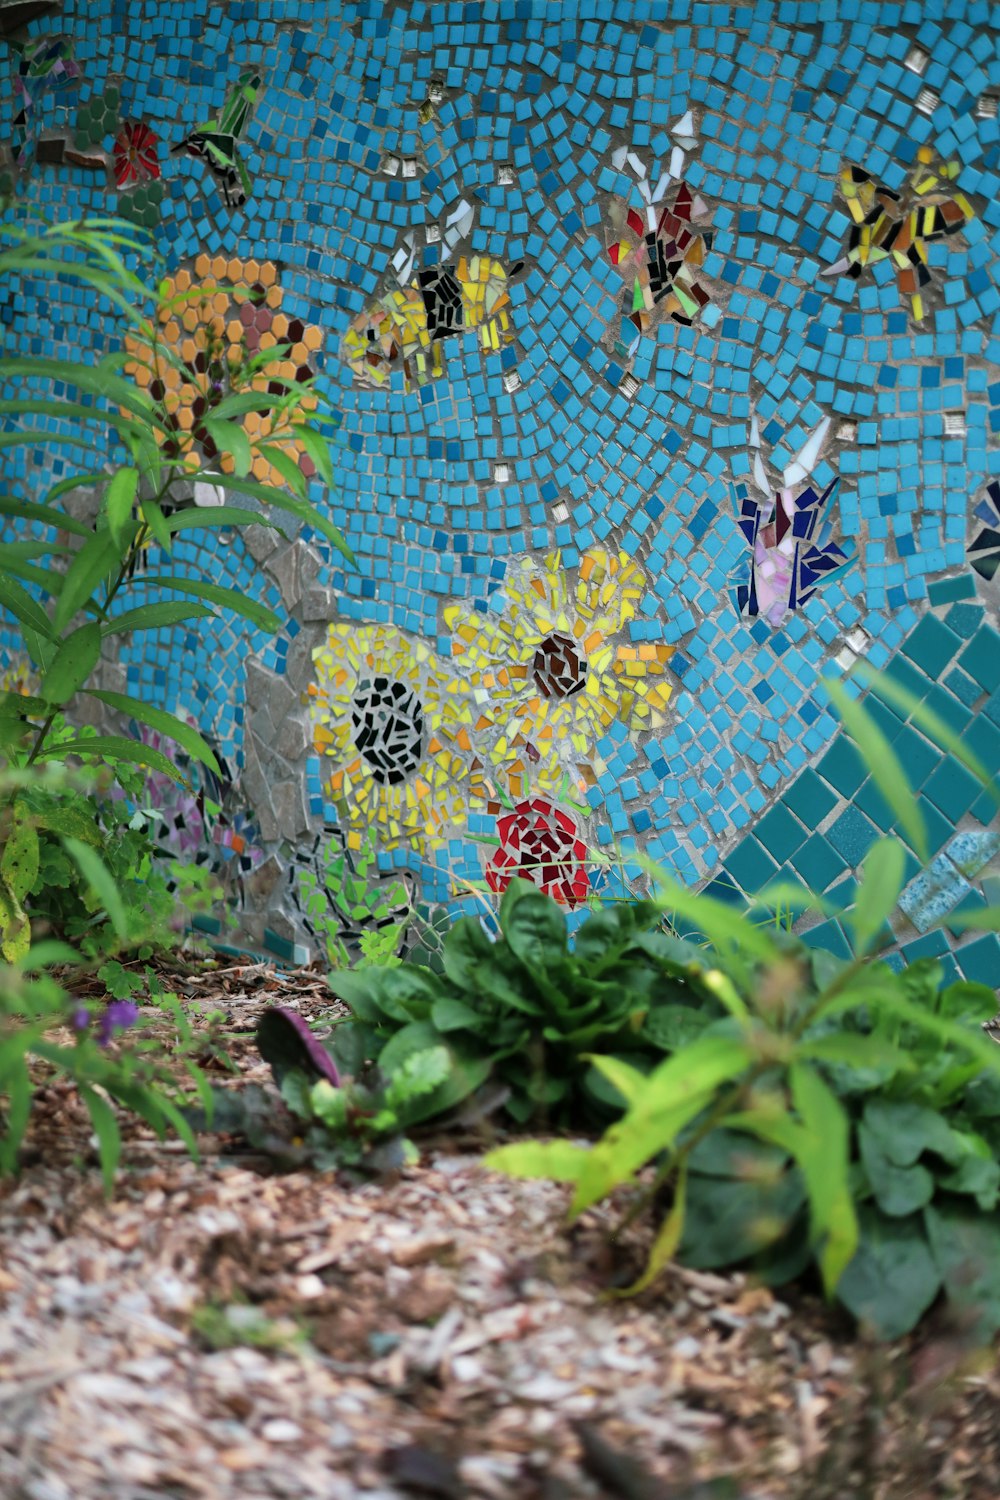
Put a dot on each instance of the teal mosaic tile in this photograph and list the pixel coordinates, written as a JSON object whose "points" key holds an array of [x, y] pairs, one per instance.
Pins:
{"points": [[980, 960], [809, 798], [952, 789], [981, 658], [852, 835], [817, 863]]}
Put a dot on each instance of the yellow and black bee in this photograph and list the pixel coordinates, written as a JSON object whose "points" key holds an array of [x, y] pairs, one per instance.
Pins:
{"points": [[900, 225]]}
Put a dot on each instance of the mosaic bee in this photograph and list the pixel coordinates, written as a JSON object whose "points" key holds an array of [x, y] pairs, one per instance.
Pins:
{"points": [[789, 532], [900, 226], [659, 249], [405, 328], [215, 142]]}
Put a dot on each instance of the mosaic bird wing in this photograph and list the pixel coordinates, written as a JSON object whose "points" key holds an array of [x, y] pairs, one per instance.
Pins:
{"points": [[236, 113]]}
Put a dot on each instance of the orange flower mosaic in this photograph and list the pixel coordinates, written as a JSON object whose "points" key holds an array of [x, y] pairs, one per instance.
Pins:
{"points": [[213, 320]]}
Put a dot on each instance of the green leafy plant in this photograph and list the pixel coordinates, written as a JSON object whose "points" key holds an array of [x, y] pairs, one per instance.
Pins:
{"points": [[843, 1114], [64, 579], [102, 1047], [526, 1008]]}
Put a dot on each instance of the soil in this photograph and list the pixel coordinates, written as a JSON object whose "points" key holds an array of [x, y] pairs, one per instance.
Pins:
{"points": [[217, 1330]]}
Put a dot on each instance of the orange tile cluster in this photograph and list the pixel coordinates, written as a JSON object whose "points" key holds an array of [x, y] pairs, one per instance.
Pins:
{"points": [[212, 320]]}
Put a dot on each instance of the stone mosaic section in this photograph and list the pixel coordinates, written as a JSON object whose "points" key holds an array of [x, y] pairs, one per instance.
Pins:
{"points": [[664, 344]]}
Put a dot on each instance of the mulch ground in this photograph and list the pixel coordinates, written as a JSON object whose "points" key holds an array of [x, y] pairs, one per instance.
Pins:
{"points": [[216, 1330]]}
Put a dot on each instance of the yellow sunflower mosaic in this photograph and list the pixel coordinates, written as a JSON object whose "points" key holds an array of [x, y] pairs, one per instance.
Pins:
{"points": [[392, 723], [212, 321], [555, 670]]}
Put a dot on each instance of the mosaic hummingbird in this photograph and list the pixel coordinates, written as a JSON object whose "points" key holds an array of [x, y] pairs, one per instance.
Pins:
{"points": [[215, 142]]}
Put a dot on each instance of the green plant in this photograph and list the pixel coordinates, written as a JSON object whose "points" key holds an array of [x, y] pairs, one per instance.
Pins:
{"points": [[64, 580], [101, 1047], [526, 1007], [842, 1113], [229, 1325]]}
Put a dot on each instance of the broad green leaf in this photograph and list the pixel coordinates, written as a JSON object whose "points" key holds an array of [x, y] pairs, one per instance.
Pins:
{"points": [[230, 438], [892, 1279], [905, 1129], [899, 1191], [15, 928], [449, 1014], [535, 929], [94, 562], [258, 614], [729, 1220], [883, 872], [113, 747], [19, 859], [72, 664], [667, 1240], [165, 723], [99, 878], [559, 1160], [883, 764], [25, 609], [109, 1141], [69, 818], [156, 616], [118, 502]]}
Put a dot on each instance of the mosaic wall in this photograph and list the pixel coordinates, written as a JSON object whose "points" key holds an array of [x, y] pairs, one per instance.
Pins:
{"points": [[665, 340]]}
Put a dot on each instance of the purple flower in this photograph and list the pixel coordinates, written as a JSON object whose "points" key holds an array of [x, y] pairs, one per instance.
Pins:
{"points": [[80, 1018], [118, 1015]]}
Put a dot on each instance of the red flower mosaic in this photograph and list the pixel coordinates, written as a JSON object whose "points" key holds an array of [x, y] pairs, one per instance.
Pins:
{"points": [[540, 843], [136, 157]]}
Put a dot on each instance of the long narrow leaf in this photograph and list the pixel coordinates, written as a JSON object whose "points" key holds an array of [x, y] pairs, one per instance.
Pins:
{"points": [[113, 747], [164, 723], [155, 616], [109, 1141], [883, 764], [25, 609], [886, 687], [48, 515], [239, 603], [97, 875]]}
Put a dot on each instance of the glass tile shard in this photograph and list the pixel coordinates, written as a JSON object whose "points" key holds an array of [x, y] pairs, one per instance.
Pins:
{"points": [[984, 549]]}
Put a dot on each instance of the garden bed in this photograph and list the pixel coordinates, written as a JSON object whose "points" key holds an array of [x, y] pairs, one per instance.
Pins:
{"points": [[217, 1330]]}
